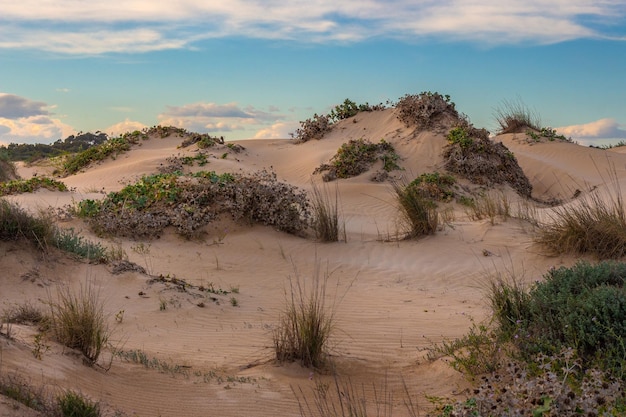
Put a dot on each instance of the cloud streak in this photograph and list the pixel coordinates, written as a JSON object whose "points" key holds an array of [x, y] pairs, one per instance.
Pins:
{"points": [[98, 26]]}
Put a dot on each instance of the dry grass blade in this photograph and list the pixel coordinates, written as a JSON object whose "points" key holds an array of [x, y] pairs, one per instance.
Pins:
{"points": [[78, 321], [326, 222], [306, 323], [419, 213]]}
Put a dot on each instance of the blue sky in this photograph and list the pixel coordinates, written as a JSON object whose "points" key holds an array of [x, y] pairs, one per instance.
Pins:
{"points": [[255, 68]]}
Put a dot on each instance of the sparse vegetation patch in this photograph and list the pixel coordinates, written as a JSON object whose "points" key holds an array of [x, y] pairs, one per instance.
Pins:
{"points": [[426, 110], [357, 156], [30, 185]]}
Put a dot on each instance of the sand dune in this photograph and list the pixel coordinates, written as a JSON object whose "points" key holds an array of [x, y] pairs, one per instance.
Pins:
{"points": [[392, 298]]}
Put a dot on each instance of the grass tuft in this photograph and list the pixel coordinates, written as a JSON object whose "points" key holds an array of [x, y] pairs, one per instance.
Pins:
{"points": [[306, 324], [516, 117], [419, 213], [73, 404], [326, 222], [78, 322]]}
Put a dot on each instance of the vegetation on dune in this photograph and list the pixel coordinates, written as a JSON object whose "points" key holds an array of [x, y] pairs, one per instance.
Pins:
{"points": [[356, 157], [8, 170], [190, 202], [30, 185], [593, 225], [471, 154], [317, 126], [32, 152], [417, 209], [326, 221], [516, 117], [426, 110], [17, 224]]}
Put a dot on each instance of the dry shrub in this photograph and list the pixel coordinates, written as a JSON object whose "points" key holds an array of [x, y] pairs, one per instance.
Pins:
{"points": [[8, 171], [426, 110], [489, 205], [473, 155], [190, 202], [306, 323], [314, 128], [78, 322]]}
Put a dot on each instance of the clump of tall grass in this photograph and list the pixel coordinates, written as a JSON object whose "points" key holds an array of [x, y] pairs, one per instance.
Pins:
{"points": [[78, 321], [342, 398], [418, 212], [306, 323], [489, 205], [515, 117], [593, 225], [16, 224], [326, 221]]}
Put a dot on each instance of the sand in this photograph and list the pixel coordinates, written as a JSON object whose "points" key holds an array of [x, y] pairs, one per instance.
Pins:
{"points": [[391, 299]]}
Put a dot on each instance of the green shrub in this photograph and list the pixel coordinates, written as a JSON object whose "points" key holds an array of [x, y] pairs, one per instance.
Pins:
{"points": [[461, 136], [349, 109], [72, 404], [434, 185], [583, 307], [357, 156], [418, 212], [78, 322]]}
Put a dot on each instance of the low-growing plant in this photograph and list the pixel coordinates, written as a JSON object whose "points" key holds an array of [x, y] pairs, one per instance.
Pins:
{"points": [[73, 404], [78, 321], [190, 202], [434, 185], [306, 323], [357, 156], [70, 241], [31, 185], [349, 109], [418, 212]]}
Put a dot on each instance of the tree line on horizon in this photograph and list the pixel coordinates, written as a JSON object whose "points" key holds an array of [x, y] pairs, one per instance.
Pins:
{"points": [[31, 152]]}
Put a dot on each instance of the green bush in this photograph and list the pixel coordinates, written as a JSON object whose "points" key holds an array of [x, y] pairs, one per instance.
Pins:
{"points": [[72, 404], [434, 185], [357, 156], [582, 307], [70, 241]]}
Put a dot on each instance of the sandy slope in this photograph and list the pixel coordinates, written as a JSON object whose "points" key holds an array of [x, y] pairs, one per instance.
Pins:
{"points": [[392, 299]]}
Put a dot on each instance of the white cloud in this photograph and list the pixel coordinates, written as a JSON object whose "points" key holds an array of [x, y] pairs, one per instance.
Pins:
{"points": [[123, 127], [600, 129], [33, 129], [99, 26], [277, 131], [211, 117]]}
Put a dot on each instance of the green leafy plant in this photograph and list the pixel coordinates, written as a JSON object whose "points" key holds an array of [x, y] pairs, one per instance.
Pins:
{"points": [[70, 241], [73, 404], [30, 185], [434, 185]]}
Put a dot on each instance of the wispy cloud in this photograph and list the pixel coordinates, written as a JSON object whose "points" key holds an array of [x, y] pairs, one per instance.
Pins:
{"points": [[98, 26], [123, 127], [599, 132], [211, 117]]}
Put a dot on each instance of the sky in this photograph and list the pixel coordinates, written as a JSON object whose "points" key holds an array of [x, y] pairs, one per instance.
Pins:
{"points": [[247, 69]]}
